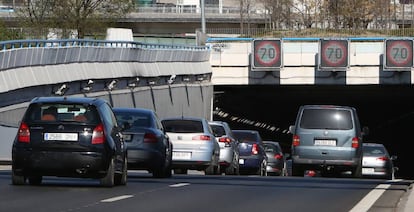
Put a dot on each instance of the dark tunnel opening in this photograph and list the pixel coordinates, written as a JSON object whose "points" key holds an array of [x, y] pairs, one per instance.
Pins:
{"points": [[388, 111]]}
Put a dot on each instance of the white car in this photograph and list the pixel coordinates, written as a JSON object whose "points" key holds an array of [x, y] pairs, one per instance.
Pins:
{"points": [[195, 146], [376, 161]]}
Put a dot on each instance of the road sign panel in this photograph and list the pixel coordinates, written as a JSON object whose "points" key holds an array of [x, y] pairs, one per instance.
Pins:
{"points": [[398, 53], [333, 54], [267, 53]]}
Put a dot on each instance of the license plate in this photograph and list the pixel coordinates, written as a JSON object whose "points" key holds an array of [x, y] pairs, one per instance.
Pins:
{"points": [[126, 137], [241, 161], [325, 142], [181, 155], [60, 136], [368, 170]]}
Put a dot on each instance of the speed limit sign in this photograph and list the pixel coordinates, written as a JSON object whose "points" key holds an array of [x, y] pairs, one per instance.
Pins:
{"points": [[333, 54], [267, 53], [398, 54]]}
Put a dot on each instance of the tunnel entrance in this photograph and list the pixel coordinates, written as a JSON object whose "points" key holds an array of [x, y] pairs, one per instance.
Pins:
{"points": [[388, 111]]}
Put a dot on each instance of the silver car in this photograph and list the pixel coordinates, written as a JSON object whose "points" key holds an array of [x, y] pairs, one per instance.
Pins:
{"points": [[195, 146], [376, 161], [229, 151]]}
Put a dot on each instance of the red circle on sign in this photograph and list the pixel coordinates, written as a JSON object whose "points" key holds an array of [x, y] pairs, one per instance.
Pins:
{"points": [[267, 53], [399, 53], [334, 53]]}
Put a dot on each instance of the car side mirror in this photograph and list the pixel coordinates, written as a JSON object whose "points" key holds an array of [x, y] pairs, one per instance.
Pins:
{"points": [[393, 157], [291, 129]]}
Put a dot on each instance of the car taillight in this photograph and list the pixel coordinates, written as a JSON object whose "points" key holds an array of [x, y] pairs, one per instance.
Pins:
{"points": [[296, 140], [23, 133], [255, 149], [98, 136], [150, 138], [355, 142], [202, 137], [224, 140], [383, 158], [278, 156]]}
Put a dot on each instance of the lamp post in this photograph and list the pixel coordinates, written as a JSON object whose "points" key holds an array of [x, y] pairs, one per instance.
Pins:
{"points": [[203, 17]]}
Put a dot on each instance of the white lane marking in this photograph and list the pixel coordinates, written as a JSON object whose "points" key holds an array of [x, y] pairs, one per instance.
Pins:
{"points": [[179, 185], [366, 203], [113, 199]]}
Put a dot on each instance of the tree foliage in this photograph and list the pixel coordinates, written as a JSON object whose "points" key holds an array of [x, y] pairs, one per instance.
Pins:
{"points": [[72, 18]]}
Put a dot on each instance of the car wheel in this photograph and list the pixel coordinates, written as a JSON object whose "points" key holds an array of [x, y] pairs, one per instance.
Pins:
{"points": [[357, 172], [35, 180], [108, 180], [121, 179], [17, 179]]}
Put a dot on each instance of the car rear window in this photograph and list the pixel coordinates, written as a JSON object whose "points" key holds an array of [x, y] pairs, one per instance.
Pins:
{"points": [[326, 119], [183, 126], [373, 151], [218, 130], [62, 113], [271, 148], [245, 136], [133, 119]]}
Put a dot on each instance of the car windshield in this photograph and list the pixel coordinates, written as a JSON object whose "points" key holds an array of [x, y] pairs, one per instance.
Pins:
{"points": [[133, 119], [183, 126], [63, 113], [271, 148], [326, 119]]}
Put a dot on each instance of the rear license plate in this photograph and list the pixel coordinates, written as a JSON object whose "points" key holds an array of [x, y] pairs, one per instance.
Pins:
{"points": [[368, 170], [241, 161], [60, 136], [325, 143], [181, 155], [126, 137]]}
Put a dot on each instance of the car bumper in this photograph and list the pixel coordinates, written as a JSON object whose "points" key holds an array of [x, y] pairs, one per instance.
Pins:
{"points": [[226, 156], [63, 164], [145, 159], [249, 163], [317, 163]]}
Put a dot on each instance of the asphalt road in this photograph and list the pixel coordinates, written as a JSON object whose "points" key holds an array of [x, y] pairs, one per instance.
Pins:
{"points": [[197, 192]]}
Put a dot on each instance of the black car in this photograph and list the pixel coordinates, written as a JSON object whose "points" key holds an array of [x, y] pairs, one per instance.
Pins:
{"points": [[148, 146], [253, 157], [69, 137]]}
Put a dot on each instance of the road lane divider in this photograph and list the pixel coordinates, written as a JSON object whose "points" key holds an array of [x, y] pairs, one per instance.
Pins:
{"points": [[179, 185], [113, 199], [368, 201]]}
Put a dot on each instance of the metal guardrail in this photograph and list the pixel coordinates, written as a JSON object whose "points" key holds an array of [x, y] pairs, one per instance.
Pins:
{"points": [[12, 44]]}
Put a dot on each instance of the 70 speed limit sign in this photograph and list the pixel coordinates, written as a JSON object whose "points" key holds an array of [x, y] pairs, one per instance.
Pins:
{"points": [[267, 53], [398, 54], [333, 54]]}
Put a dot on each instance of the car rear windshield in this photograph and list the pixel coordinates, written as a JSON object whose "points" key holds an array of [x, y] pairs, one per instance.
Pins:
{"points": [[62, 113], [218, 130], [326, 119], [246, 136], [183, 126], [373, 151], [133, 119]]}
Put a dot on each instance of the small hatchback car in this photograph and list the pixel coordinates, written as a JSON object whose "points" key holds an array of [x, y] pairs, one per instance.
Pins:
{"points": [[69, 137], [275, 158]]}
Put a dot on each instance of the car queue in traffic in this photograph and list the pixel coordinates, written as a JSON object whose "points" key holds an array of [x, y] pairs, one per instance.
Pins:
{"points": [[85, 137]]}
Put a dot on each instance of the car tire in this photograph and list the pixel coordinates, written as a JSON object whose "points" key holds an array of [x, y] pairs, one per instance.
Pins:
{"points": [[121, 179], [35, 180], [17, 179], [233, 169], [108, 180], [357, 172]]}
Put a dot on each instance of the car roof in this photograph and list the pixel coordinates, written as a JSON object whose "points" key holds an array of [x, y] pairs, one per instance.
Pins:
{"points": [[328, 106], [131, 110], [248, 131], [184, 118], [65, 99], [271, 142], [217, 122]]}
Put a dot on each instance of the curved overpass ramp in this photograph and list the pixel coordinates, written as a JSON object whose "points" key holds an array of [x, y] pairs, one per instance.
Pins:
{"points": [[172, 80]]}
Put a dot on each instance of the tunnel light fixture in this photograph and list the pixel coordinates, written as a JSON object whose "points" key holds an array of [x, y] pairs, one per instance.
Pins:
{"points": [[172, 79], [112, 85], [133, 83], [88, 86]]}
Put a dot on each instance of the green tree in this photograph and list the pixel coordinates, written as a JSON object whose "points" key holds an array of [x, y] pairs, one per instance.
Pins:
{"points": [[72, 18]]}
